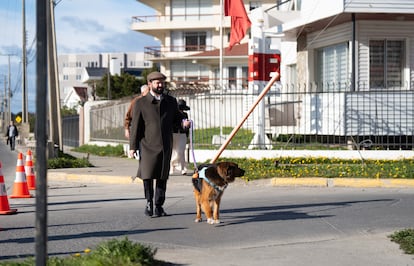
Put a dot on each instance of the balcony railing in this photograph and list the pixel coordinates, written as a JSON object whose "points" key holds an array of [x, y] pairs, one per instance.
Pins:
{"points": [[154, 52], [174, 17]]}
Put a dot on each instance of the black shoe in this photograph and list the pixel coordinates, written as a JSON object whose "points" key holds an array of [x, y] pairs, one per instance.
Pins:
{"points": [[149, 209], [159, 211]]}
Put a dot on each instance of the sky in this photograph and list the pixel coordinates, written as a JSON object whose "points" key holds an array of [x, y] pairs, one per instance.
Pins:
{"points": [[92, 26]]}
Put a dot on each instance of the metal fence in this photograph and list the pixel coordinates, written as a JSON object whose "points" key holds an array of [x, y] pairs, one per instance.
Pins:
{"points": [[70, 130], [310, 120]]}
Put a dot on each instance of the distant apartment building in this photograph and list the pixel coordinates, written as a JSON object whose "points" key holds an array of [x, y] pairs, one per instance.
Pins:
{"points": [[78, 71]]}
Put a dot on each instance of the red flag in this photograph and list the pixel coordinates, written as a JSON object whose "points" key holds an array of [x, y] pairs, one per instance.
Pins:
{"points": [[240, 22]]}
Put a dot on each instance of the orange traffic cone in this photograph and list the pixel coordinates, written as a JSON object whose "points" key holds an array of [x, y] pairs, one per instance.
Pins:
{"points": [[20, 188], [28, 167], [4, 202]]}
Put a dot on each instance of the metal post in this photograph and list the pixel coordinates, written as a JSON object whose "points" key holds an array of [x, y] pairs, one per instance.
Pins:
{"points": [[24, 67], [109, 78], [42, 12], [9, 95]]}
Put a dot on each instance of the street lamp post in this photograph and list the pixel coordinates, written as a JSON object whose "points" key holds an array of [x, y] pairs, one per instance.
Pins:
{"points": [[109, 74], [109, 78]]}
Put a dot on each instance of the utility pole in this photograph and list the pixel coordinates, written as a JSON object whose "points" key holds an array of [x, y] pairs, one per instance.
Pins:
{"points": [[4, 105], [55, 119], [24, 66], [7, 95]]}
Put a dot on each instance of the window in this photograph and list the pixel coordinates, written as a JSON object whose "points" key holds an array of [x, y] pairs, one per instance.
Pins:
{"points": [[195, 41], [289, 5], [186, 71], [245, 77], [332, 67], [232, 77], [254, 5], [191, 10], [291, 77], [189, 41], [386, 64]]}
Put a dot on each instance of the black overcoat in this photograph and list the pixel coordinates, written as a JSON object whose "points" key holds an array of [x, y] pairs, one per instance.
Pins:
{"points": [[151, 132]]}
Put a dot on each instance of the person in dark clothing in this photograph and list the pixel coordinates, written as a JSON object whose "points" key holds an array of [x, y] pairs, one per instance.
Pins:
{"points": [[153, 118], [11, 134], [180, 137]]}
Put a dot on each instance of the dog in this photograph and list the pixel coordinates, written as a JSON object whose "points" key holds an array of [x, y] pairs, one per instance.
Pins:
{"points": [[209, 182]]}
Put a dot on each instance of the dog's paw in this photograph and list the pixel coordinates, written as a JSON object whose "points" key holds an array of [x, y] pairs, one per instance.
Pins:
{"points": [[217, 221], [210, 221], [197, 220]]}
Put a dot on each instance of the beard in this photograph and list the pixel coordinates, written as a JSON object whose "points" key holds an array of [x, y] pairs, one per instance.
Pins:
{"points": [[158, 90]]}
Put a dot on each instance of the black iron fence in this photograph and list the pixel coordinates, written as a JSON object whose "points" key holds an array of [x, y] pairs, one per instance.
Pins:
{"points": [[302, 120]]}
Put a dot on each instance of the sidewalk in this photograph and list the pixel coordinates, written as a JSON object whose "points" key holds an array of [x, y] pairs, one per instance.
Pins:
{"points": [[109, 170], [113, 170]]}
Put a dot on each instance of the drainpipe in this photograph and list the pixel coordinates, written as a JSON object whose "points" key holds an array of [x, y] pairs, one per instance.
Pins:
{"points": [[353, 88]]}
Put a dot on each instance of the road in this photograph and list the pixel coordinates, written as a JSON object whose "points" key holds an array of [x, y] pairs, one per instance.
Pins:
{"points": [[261, 225]]}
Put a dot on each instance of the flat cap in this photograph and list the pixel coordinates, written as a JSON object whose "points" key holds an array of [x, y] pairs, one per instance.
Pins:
{"points": [[156, 75]]}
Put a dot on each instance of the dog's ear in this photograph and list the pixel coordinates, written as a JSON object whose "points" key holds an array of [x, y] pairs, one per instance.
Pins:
{"points": [[225, 169], [230, 169], [221, 169]]}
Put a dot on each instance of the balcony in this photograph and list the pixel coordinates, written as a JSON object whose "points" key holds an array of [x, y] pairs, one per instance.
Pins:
{"points": [[174, 52], [147, 24]]}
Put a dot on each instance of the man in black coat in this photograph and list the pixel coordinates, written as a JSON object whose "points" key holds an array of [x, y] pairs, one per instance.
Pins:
{"points": [[153, 119], [11, 134]]}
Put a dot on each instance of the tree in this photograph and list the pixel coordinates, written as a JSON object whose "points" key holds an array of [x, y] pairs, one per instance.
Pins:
{"points": [[121, 86]]}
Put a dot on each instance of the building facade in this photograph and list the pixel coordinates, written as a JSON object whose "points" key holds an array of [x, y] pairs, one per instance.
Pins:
{"points": [[77, 70], [347, 67], [191, 36]]}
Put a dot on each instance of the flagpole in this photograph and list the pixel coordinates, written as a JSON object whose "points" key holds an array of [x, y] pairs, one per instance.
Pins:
{"points": [[221, 69]]}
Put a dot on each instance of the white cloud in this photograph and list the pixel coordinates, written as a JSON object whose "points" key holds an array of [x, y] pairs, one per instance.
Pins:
{"points": [[82, 26], [89, 26]]}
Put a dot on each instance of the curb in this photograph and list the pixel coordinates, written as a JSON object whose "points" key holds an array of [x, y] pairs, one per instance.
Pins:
{"points": [[91, 178], [276, 182], [343, 182]]}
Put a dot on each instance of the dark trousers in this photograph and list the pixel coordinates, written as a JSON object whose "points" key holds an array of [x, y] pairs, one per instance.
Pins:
{"points": [[12, 142], [160, 189]]}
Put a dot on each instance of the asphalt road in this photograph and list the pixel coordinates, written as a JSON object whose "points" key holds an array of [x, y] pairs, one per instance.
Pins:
{"points": [[261, 224]]}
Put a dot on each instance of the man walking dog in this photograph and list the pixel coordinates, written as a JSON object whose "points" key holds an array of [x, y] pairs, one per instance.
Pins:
{"points": [[153, 118]]}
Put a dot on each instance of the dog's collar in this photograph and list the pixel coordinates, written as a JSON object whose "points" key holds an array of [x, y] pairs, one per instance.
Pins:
{"points": [[202, 174]]}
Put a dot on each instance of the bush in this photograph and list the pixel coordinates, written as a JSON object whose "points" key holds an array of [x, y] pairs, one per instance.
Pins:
{"points": [[108, 150], [405, 238], [67, 161], [113, 252]]}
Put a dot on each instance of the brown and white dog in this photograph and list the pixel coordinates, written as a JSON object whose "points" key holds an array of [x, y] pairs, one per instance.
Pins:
{"points": [[209, 183]]}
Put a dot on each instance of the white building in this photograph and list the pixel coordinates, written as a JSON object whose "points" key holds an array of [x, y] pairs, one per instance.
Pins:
{"points": [[361, 52], [189, 33], [75, 70]]}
